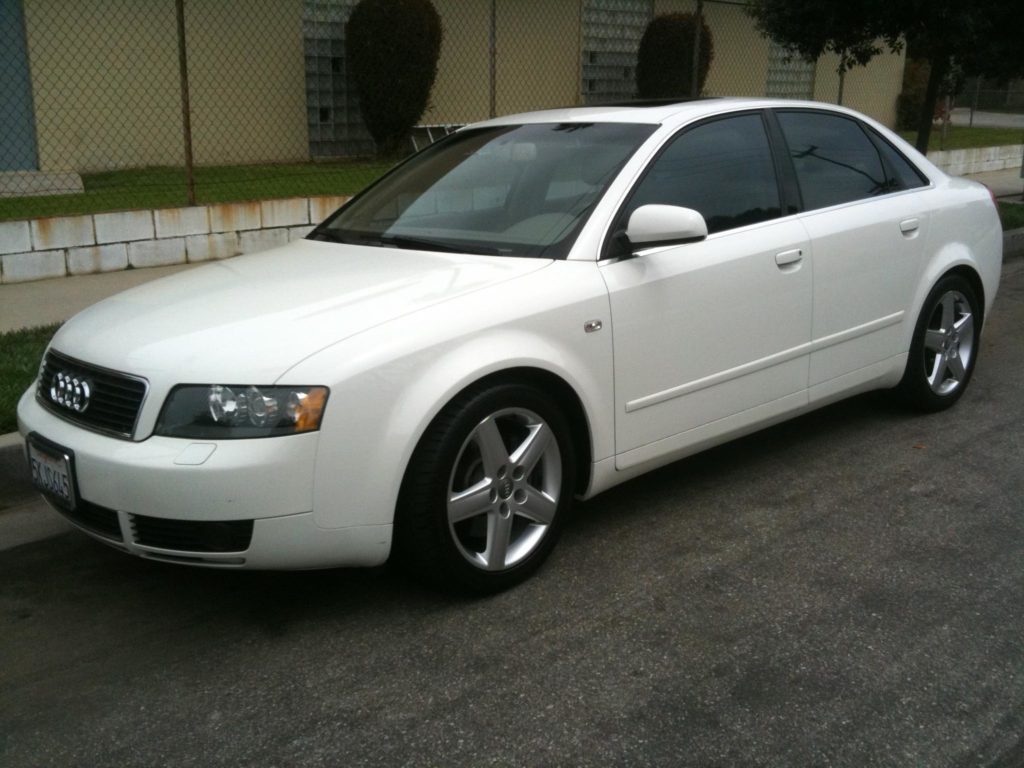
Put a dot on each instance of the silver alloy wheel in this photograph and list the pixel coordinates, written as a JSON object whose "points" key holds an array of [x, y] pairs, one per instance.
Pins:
{"points": [[949, 343], [503, 491]]}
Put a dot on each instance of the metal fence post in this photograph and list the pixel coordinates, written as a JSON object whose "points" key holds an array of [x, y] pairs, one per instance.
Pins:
{"points": [[186, 112], [493, 56]]}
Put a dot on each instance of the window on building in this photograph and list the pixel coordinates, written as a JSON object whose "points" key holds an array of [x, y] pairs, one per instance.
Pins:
{"points": [[335, 124], [611, 37], [789, 76]]}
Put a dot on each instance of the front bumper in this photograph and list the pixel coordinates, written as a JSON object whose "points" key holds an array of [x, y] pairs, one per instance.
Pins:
{"points": [[183, 486]]}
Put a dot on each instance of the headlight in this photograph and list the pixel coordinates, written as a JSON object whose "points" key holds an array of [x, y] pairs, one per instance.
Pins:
{"points": [[219, 412]]}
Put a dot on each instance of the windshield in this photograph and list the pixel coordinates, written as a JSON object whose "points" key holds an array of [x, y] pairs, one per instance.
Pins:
{"points": [[519, 190]]}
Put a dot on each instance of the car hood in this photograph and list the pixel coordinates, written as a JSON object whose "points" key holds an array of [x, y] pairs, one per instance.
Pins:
{"points": [[250, 318]]}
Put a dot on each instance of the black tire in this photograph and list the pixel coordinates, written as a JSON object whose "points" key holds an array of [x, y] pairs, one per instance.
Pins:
{"points": [[943, 355], [527, 501]]}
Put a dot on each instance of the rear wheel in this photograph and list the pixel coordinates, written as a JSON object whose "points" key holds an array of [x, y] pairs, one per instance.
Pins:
{"points": [[485, 493], [945, 346]]}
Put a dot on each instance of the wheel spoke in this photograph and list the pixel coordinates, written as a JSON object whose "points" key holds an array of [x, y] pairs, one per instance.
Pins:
{"points": [[475, 500], [965, 326], [492, 447], [938, 374], [538, 507], [933, 340], [499, 532], [948, 311], [956, 367], [532, 449]]}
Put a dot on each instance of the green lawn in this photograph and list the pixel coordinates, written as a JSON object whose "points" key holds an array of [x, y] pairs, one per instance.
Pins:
{"points": [[1012, 215], [165, 187], [962, 137], [20, 354]]}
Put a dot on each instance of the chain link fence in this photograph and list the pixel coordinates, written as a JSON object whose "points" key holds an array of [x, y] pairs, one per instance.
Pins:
{"points": [[122, 104], [988, 103]]}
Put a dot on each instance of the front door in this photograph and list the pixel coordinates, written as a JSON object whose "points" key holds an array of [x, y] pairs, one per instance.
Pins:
{"points": [[711, 336]]}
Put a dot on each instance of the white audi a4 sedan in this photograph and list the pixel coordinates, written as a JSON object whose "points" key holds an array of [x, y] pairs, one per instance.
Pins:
{"points": [[535, 308]]}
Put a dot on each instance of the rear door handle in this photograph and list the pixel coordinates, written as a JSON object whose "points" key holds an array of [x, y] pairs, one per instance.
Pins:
{"points": [[908, 226], [789, 257]]}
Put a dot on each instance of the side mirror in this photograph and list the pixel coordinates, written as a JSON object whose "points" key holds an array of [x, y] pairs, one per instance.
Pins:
{"points": [[653, 225]]}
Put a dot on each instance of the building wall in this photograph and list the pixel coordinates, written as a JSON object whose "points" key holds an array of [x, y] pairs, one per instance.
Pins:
{"points": [[872, 89], [247, 80], [461, 91], [105, 83], [105, 80], [539, 55], [537, 62], [739, 64]]}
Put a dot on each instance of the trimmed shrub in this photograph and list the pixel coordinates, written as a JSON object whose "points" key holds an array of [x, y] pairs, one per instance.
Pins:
{"points": [[665, 59], [393, 47]]}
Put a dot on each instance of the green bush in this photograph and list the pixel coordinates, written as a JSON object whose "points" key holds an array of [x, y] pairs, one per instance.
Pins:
{"points": [[393, 47], [665, 60]]}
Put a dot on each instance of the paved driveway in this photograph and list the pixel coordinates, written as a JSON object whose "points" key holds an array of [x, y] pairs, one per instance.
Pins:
{"points": [[962, 116], [846, 589]]}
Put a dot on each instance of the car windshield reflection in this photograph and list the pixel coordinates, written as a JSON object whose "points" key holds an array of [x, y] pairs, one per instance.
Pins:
{"points": [[521, 190]]}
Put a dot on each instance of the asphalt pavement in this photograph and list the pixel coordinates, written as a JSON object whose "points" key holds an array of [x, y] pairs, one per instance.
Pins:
{"points": [[841, 590]]}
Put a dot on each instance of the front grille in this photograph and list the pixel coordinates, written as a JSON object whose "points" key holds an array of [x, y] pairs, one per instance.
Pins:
{"points": [[95, 518], [114, 399], [192, 535]]}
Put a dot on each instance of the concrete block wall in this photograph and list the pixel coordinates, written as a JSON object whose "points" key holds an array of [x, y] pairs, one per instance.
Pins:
{"points": [[957, 162], [37, 249]]}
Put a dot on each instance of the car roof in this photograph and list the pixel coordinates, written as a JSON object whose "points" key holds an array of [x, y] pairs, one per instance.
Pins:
{"points": [[652, 112]]}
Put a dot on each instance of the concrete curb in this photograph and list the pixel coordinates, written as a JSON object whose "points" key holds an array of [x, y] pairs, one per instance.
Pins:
{"points": [[14, 478]]}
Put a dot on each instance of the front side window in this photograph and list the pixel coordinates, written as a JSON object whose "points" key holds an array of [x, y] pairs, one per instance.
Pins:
{"points": [[722, 169], [834, 159], [517, 190]]}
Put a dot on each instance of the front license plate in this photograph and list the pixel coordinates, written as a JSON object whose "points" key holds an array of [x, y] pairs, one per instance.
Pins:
{"points": [[52, 471]]}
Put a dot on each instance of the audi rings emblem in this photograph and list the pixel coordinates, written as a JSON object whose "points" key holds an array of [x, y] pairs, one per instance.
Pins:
{"points": [[71, 391]]}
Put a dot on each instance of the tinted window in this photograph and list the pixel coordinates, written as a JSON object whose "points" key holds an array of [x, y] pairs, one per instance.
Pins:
{"points": [[903, 174], [518, 190], [723, 169], [835, 161]]}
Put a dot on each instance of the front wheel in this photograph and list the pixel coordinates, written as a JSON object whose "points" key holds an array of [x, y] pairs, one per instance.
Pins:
{"points": [[485, 493], [945, 346]]}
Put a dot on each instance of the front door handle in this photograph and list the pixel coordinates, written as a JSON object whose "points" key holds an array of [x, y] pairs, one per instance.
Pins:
{"points": [[789, 257], [909, 226]]}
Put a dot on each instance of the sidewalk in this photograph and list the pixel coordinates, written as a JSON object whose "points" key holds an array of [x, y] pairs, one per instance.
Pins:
{"points": [[1004, 184], [42, 302]]}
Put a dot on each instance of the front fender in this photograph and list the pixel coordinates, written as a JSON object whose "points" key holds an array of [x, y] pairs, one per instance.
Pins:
{"points": [[390, 382]]}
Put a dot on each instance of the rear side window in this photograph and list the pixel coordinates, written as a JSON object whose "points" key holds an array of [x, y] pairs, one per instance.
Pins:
{"points": [[834, 159], [903, 174], [722, 169]]}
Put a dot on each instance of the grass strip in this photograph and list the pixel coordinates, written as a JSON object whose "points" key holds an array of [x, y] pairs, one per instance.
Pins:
{"points": [[164, 187], [1012, 215], [963, 137], [20, 355]]}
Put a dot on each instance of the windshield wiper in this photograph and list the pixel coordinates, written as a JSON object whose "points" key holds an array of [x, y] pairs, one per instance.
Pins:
{"points": [[399, 241], [404, 241]]}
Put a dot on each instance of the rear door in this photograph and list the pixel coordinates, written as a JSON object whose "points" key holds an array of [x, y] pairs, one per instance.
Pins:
{"points": [[867, 226]]}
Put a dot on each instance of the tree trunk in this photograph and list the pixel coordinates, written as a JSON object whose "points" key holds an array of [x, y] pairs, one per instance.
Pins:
{"points": [[939, 67]]}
